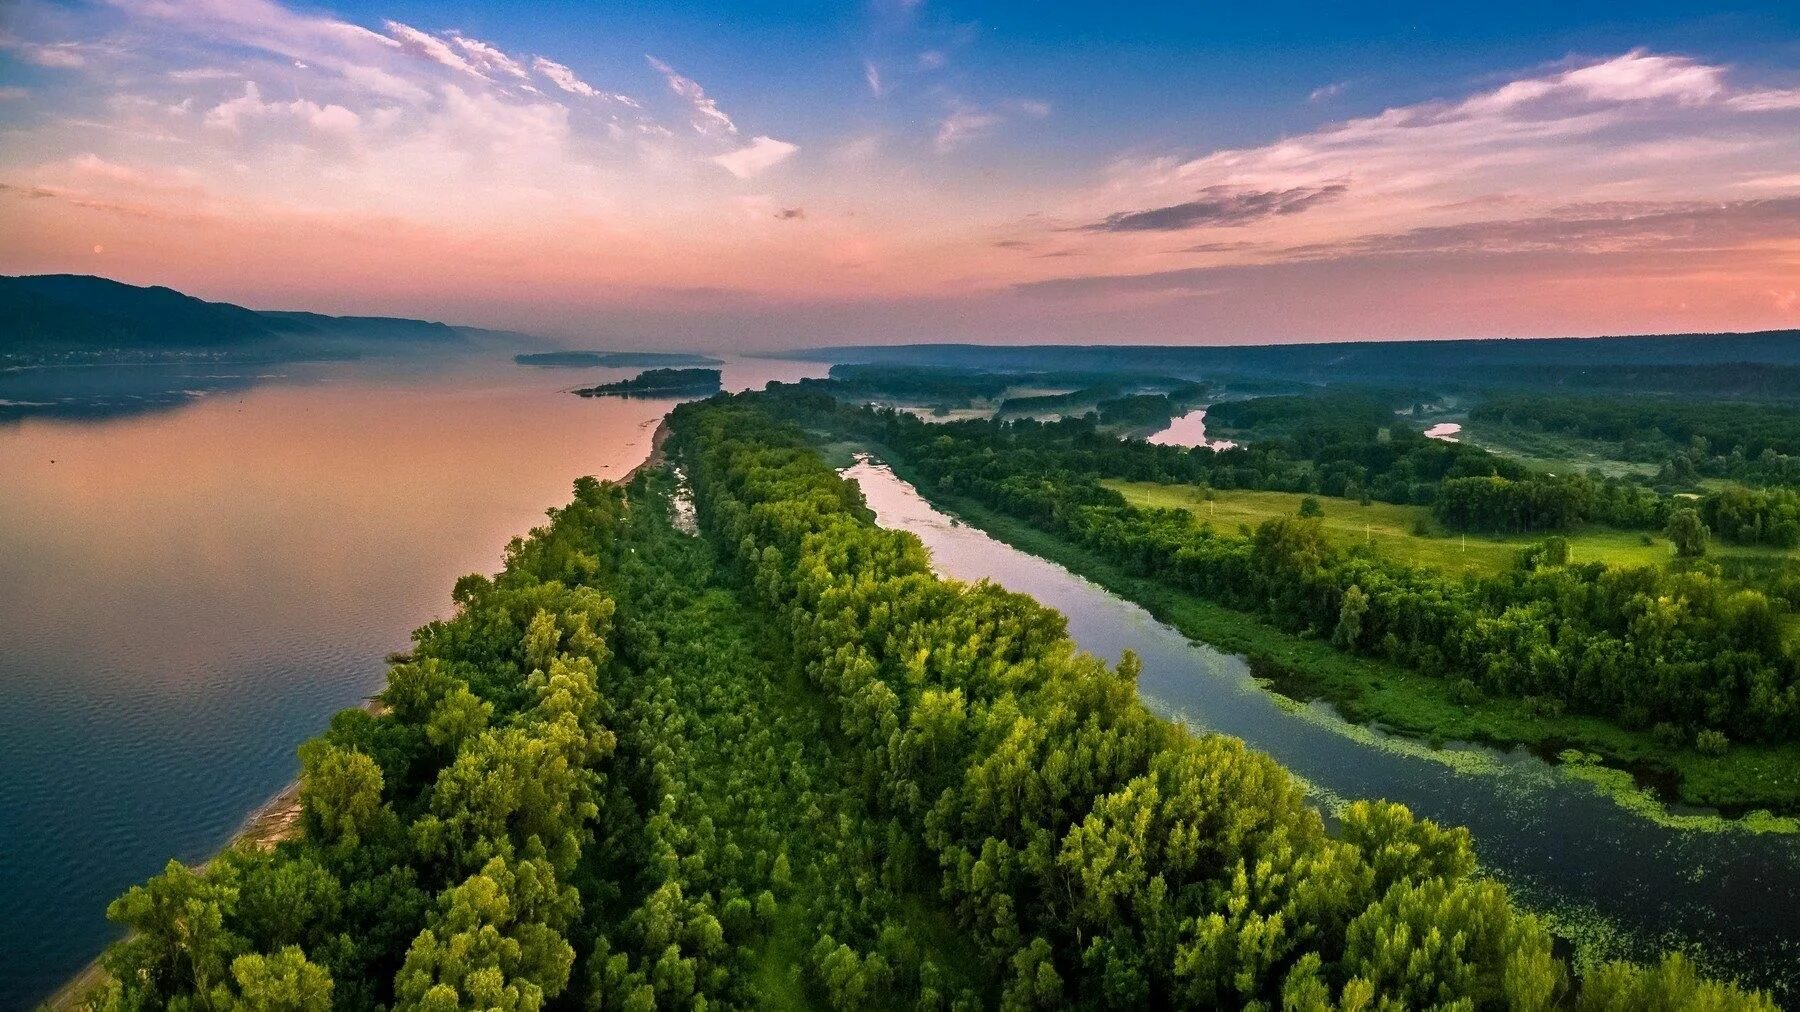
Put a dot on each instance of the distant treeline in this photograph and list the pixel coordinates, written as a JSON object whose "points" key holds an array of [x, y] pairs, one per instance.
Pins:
{"points": [[1676, 363], [1762, 381], [611, 359], [1286, 413], [1652, 424], [962, 387], [658, 382]]}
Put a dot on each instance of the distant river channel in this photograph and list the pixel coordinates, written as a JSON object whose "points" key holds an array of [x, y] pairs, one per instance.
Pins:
{"points": [[1613, 881]]}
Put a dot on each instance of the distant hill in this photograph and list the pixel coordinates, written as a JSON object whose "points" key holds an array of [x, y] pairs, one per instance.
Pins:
{"points": [[62, 313], [1652, 361]]}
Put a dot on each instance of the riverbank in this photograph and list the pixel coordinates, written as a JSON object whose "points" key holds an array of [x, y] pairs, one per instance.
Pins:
{"points": [[267, 825], [1639, 772]]}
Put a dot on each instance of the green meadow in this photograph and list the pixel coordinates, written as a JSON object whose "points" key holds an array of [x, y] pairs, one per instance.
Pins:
{"points": [[1390, 530]]}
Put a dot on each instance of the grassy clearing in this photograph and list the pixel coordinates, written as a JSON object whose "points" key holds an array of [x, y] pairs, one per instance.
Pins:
{"points": [[1389, 530], [1371, 691], [1553, 452]]}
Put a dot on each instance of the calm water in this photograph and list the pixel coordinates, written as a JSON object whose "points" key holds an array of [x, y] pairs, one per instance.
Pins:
{"points": [[1608, 875], [1189, 430], [198, 573]]}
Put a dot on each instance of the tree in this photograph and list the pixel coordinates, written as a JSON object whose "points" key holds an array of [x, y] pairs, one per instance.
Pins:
{"points": [[340, 795], [282, 982], [1688, 532], [1350, 618], [179, 943], [1309, 507]]}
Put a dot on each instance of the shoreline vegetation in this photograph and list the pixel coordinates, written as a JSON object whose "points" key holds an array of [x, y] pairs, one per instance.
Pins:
{"points": [[1632, 767], [267, 825]]}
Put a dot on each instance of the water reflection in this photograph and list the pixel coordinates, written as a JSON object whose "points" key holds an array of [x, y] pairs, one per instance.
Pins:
{"points": [[1189, 430]]}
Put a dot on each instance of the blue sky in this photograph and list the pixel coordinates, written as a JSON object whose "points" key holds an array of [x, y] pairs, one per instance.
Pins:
{"points": [[898, 170]]}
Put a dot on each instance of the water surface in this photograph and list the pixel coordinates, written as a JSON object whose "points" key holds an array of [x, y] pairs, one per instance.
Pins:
{"points": [[1189, 430], [195, 581], [1612, 878]]}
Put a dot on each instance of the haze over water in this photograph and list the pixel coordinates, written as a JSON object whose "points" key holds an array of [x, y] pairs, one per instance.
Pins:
{"points": [[190, 593]]}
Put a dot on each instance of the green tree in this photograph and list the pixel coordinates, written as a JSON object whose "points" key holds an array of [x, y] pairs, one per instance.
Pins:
{"points": [[281, 982], [1688, 532], [179, 944]]}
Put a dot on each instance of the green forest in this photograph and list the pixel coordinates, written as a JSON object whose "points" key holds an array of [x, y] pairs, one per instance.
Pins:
{"points": [[782, 764]]}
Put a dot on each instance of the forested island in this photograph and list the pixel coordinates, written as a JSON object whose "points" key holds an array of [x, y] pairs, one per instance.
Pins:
{"points": [[612, 359], [778, 762], [659, 383]]}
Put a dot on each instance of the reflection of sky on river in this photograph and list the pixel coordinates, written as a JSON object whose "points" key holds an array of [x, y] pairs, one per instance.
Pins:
{"points": [[1562, 845]]}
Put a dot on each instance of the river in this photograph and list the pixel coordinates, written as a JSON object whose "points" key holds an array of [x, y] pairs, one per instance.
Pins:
{"points": [[1189, 430], [202, 563], [1614, 881]]}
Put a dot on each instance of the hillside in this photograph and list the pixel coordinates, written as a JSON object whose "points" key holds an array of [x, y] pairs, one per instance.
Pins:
{"points": [[63, 313]]}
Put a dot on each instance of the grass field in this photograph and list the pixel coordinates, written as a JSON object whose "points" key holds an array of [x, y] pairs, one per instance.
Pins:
{"points": [[1389, 530]]}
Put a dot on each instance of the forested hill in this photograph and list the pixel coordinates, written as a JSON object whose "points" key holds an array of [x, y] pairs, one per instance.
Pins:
{"points": [[1574, 361], [78, 312]]}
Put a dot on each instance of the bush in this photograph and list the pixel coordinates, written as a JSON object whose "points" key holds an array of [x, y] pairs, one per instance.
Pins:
{"points": [[1711, 742], [1668, 735], [1544, 706], [1464, 692], [1309, 507]]}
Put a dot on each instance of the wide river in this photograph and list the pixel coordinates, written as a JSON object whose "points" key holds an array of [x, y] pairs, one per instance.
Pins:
{"points": [[194, 575], [1611, 879]]}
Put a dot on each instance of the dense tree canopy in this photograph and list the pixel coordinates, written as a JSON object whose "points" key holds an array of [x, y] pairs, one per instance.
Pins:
{"points": [[781, 763]]}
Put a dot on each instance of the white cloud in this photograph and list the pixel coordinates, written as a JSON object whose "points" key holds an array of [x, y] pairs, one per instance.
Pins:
{"points": [[760, 154], [708, 116], [488, 57], [564, 78], [932, 59], [872, 74], [235, 113], [430, 47], [1768, 100]]}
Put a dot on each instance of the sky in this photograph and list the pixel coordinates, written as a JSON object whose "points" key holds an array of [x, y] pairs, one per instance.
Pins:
{"points": [[752, 175]]}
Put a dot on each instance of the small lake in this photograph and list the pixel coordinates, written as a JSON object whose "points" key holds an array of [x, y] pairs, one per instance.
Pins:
{"points": [[202, 563], [1189, 430], [1446, 431], [1608, 876]]}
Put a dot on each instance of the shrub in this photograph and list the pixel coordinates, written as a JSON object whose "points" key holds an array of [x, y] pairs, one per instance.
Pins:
{"points": [[1711, 742]]}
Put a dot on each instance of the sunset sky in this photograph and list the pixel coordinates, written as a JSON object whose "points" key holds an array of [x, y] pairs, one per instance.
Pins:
{"points": [[757, 175]]}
